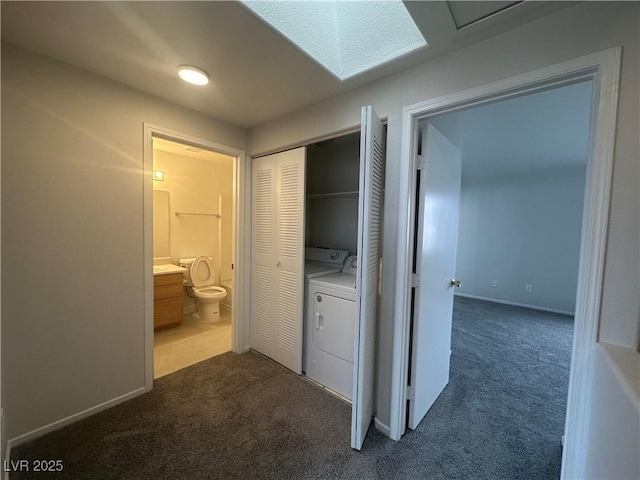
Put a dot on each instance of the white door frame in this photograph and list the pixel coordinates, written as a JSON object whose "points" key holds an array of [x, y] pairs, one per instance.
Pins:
{"points": [[603, 68], [239, 309]]}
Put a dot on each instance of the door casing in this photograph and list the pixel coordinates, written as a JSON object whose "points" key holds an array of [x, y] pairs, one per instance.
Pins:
{"points": [[603, 69]]}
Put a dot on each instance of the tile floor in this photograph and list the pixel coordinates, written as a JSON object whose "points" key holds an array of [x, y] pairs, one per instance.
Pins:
{"points": [[192, 342]]}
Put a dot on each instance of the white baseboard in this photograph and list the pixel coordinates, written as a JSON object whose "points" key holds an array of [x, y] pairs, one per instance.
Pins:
{"points": [[39, 432], [515, 304], [381, 427]]}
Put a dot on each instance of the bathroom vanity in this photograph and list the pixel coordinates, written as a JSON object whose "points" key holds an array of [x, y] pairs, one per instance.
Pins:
{"points": [[167, 300]]}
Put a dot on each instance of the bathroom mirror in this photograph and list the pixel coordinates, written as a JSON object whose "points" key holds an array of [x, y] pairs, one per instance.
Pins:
{"points": [[161, 223]]}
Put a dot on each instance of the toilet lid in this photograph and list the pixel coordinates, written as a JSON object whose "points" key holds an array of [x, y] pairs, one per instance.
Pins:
{"points": [[202, 272]]}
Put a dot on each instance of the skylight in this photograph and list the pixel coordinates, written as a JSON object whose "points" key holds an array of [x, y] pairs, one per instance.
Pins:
{"points": [[345, 37]]}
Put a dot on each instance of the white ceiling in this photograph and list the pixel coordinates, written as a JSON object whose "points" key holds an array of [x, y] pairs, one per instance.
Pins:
{"points": [[256, 74], [541, 131]]}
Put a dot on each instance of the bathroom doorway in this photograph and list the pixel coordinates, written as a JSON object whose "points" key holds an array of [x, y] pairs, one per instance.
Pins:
{"points": [[193, 200]]}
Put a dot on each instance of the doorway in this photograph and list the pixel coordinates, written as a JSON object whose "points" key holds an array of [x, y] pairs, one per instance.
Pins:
{"points": [[192, 217], [603, 69], [482, 321], [198, 224]]}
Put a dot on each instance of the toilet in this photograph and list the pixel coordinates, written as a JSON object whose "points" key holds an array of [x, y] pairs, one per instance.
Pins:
{"points": [[228, 286], [201, 276]]}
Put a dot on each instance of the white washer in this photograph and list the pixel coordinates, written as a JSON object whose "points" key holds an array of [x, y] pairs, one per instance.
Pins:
{"points": [[323, 261], [318, 262], [330, 334]]}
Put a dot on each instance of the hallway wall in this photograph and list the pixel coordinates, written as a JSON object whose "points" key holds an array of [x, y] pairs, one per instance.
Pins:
{"points": [[72, 214]]}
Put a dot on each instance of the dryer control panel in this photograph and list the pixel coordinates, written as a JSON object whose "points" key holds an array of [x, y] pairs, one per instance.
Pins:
{"points": [[325, 255], [351, 265]]}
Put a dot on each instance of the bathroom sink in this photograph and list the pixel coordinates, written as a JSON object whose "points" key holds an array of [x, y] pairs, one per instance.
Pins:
{"points": [[167, 269]]}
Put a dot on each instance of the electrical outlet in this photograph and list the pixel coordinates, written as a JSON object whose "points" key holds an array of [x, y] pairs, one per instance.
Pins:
{"points": [[494, 283], [528, 287]]}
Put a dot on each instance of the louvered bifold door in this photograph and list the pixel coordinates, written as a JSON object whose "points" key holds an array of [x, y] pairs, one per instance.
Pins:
{"points": [[277, 257], [372, 153], [289, 281], [263, 254]]}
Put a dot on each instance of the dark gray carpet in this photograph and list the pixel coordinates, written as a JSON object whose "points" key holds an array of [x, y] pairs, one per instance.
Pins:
{"points": [[244, 416]]}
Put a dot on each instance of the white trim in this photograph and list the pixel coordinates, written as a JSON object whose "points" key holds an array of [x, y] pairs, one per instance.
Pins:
{"points": [[309, 141], [604, 69], [39, 432], [592, 255], [147, 252], [381, 427], [239, 228], [515, 304]]}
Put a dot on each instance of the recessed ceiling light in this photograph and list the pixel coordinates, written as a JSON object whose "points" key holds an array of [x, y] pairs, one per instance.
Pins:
{"points": [[193, 75]]}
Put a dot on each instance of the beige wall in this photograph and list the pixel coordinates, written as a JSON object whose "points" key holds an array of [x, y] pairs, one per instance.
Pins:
{"points": [[72, 235], [615, 442], [195, 185]]}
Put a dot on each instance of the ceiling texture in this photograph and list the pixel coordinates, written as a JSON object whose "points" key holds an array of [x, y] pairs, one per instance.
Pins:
{"points": [[256, 73]]}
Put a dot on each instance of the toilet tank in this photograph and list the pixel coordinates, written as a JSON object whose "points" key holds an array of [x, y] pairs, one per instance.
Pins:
{"points": [[186, 263]]}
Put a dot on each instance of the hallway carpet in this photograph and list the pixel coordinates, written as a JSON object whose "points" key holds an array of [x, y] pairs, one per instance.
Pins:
{"points": [[244, 416]]}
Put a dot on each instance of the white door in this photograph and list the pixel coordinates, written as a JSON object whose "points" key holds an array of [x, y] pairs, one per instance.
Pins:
{"points": [[436, 246], [369, 225], [277, 260]]}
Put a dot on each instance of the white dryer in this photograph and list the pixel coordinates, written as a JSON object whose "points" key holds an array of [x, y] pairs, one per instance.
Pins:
{"points": [[318, 262], [330, 332]]}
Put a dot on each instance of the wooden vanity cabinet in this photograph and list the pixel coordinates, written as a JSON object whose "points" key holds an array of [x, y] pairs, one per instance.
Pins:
{"points": [[167, 300]]}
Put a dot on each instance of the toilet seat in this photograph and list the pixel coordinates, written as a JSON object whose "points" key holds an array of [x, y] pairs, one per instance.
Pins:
{"points": [[210, 291], [202, 272]]}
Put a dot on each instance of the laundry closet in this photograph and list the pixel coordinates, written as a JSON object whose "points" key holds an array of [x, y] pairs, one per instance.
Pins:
{"points": [[322, 201], [331, 238], [332, 193]]}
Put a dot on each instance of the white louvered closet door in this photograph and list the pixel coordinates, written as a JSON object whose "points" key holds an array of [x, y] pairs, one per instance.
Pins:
{"points": [[277, 293], [372, 156], [263, 253]]}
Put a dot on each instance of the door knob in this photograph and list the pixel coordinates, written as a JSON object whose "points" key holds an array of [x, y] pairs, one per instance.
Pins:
{"points": [[454, 283]]}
